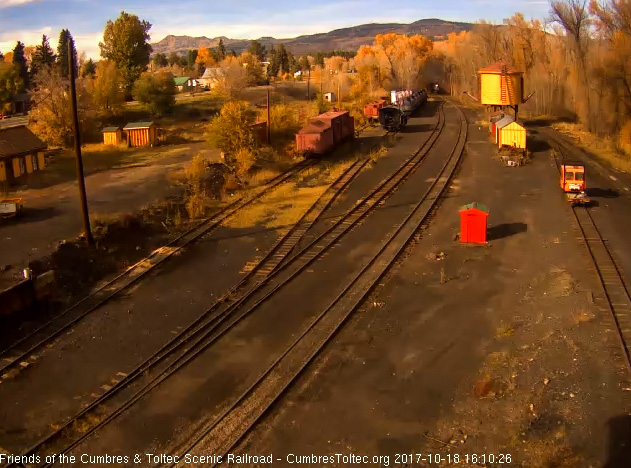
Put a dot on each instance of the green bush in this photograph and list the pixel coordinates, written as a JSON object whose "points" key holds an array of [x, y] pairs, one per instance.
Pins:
{"points": [[156, 91]]}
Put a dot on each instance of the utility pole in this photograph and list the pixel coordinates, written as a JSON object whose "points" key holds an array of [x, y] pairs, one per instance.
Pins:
{"points": [[269, 133], [308, 83], [77, 148]]}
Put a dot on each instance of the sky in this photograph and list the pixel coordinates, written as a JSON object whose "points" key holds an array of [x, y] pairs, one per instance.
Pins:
{"points": [[27, 20]]}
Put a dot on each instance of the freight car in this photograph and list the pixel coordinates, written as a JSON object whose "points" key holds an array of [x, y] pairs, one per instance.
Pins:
{"points": [[325, 132], [408, 101], [371, 110]]}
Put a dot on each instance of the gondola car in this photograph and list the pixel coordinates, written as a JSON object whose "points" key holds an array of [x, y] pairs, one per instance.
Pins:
{"points": [[392, 118]]}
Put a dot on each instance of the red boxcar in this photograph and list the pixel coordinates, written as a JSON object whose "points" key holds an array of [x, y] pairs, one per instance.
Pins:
{"points": [[315, 138], [325, 132]]}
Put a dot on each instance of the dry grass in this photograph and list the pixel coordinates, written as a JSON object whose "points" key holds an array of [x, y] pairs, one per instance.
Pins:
{"points": [[286, 204], [605, 148], [504, 331]]}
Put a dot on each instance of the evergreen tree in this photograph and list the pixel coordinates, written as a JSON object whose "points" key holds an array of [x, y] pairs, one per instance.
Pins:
{"points": [[319, 59], [1, 56], [43, 56], [258, 50], [160, 60], [89, 69], [274, 65], [62, 53], [283, 59], [191, 57], [221, 50], [19, 60]]}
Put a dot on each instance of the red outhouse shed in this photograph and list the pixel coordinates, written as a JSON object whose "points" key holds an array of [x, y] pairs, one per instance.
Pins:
{"points": [[473, 222]]}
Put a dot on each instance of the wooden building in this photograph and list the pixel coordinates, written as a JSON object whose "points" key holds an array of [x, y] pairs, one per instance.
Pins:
{"points": [[501, 85], [510, 133], [112, 135], [184, 83], [21, 153], [141, 133]]}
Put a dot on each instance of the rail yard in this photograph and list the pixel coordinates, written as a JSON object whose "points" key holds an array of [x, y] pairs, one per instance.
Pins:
{"points": [[366, 327]]}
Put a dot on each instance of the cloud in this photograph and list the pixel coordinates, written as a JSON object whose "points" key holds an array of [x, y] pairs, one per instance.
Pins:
{"points": [[27, 36], [11, 3], [88, 43]]}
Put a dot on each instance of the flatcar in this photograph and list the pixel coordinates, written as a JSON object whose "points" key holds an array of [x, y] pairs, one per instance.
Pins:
{"points": [[392, 118]]}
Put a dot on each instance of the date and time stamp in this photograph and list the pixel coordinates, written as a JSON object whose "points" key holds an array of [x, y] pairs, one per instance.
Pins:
{"points": [[233, 459]]}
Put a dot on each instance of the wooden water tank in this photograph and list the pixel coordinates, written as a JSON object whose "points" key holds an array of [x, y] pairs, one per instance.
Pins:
{"points": [[501, 85]]}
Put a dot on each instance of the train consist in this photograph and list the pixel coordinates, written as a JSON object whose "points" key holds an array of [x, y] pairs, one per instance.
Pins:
{"points": [[325, 132], [404, 103]]}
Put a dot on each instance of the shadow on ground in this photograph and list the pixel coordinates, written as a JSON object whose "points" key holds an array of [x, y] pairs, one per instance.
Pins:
{"points": [[505, 230], [596, 192], [619, 455], [31, 215]]}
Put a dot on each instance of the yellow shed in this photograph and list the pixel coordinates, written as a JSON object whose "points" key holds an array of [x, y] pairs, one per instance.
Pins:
{"points": [[141, 133], [510, 133], [501, 85], [112, 135]]}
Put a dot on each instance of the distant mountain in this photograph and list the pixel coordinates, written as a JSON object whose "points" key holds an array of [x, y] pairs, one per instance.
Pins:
{"points": [[340, 39]]}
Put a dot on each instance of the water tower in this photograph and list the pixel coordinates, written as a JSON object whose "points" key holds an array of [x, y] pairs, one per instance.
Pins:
{"points": [[501, 86]]}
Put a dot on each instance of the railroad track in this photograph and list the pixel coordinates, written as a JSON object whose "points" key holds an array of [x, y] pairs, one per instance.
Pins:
{"points": [[224, 432], [17, 355], [226, 313], [614, 289]]}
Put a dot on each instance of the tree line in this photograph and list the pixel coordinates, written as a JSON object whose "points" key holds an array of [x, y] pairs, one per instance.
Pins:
{"points": [[576, 62]]}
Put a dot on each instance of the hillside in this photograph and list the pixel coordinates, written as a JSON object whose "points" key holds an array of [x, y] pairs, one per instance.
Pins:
{"points": [[341, 39]]}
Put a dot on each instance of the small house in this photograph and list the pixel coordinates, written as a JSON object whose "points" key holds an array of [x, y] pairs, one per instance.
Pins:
{"points": [[510, 133], [21, 153], [330, 97], [184, 83], [112, 135], [141, 133], [212, 77], [500, 124]]}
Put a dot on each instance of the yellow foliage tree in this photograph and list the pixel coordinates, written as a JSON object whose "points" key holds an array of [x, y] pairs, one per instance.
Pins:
{"points": [[204, 57]]}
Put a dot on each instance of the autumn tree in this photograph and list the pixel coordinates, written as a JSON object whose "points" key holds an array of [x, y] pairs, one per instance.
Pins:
{"points": [[8, 57], [232, 78], [19, 60], [50, 117], [231, 132], [126, 43], [62, 53], [253, 68], [107, 88], [156, 91], [573, 17], [205, 57], [10, 84]]}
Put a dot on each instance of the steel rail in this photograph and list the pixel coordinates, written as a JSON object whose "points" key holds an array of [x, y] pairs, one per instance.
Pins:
{"points": [[178, 342], [122, 281], [375, 272], [612, 283]]}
